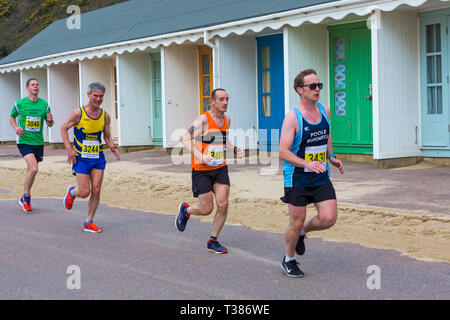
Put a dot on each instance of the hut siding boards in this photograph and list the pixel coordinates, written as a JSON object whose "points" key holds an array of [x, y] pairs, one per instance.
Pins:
{"points": [[181, 82], [307, 47], [395, 75], [134, 99], [63, 96], [9, 94], [238, 75]]}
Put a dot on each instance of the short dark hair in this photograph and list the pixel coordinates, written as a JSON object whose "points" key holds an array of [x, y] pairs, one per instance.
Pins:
{"points": [[213, 94], [31, 79], [299, 79]]}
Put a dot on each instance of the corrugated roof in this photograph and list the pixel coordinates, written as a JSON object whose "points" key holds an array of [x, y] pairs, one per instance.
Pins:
{"points": [[138, 19]]}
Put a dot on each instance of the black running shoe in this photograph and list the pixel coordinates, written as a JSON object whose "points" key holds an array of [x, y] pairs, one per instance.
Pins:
{"points": [[291, 269], [300, 247]]}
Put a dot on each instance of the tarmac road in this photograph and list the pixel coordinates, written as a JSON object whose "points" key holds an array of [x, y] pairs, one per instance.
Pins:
{"points": [[140, 255]]}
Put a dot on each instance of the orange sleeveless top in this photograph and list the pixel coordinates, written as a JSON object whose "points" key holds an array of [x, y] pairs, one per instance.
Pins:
{"points": [[213, 142]]}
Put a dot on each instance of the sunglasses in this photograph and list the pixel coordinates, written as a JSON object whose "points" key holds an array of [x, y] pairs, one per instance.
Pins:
{"points": [[313, 86]]}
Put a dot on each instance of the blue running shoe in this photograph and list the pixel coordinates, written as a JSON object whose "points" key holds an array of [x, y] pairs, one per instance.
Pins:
{"points": [[183, 217], [215, 247], [25, 202]]}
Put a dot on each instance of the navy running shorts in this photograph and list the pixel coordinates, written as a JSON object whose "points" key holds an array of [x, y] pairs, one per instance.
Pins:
{"points": [[26, 149]]}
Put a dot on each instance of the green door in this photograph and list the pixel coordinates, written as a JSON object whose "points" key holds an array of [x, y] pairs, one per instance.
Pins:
{"points": [[351, 88], [157, 131]]}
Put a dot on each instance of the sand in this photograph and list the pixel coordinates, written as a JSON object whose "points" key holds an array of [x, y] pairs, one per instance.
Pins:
{"points": [[419, 234]]}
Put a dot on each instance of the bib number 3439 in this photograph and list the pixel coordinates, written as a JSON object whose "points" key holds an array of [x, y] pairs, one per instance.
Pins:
{"points": [[316, 153]]}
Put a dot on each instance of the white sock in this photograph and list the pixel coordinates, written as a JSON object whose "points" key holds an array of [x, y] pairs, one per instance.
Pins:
{"points": [[287, 258]]}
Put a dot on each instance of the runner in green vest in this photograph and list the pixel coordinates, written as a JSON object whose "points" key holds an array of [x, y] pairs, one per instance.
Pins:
{"points": [[31, 112]]}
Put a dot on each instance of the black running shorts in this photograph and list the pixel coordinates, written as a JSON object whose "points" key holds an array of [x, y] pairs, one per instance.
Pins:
{"points": [[203, 180], [301, 196]]}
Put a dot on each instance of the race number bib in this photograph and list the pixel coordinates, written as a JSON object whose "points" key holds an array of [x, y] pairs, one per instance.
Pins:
{"points": [[91, 149], [33, 124], [218, 155], [316, 153]]}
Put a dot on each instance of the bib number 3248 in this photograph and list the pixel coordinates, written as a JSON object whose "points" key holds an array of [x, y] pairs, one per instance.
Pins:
{"points": [[33, 124]]}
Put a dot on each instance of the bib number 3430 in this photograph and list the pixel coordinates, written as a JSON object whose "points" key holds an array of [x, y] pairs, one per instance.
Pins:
{"points": [[218, 155]]}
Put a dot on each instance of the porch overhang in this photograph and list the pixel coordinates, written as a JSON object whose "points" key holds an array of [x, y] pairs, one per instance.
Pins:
{"points": [[314, 14]]}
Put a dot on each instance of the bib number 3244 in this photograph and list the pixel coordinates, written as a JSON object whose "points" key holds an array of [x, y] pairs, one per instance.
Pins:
{"points": [[91, 149]]}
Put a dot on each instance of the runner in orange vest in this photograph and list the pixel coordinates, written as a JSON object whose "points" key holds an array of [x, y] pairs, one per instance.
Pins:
{"points": [[207, 141]]}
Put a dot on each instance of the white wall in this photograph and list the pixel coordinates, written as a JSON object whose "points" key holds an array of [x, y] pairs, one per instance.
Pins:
{"points": [[9, 94], [41, 75], [181, 105], [98, 70], [134, 98], [64, 96], [237, 70], [395, 73], [305, 47]]}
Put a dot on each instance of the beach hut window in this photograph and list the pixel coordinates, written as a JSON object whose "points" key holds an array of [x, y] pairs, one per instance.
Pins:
{"points": [[434, 68]]}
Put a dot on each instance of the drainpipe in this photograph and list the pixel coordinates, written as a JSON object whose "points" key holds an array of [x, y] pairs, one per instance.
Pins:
{"points": [[207, 41]]}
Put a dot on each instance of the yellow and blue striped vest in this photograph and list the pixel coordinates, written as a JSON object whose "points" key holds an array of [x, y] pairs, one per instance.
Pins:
{"points": [[87, 132]]}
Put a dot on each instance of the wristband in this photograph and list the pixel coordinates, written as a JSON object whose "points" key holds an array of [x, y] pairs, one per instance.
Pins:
{"points": [[331, 155]]}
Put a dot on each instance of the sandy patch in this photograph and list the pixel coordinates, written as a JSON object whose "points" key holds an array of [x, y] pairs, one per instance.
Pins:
{"points": [[420, 165], [254, 202]]}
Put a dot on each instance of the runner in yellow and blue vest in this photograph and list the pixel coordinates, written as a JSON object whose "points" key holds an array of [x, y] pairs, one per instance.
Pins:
{"points": [[31, 112], [305, 147], [86, 156]]}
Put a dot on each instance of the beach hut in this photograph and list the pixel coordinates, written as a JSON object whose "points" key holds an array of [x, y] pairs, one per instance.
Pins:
{"points": [[383, 64]]}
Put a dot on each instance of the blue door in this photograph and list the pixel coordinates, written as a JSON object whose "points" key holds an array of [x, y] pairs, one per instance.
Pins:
{"points": [[270, 91], [435, 88]]}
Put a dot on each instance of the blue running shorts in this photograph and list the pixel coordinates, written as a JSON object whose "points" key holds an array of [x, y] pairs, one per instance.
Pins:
{"points": [[85, 166]]}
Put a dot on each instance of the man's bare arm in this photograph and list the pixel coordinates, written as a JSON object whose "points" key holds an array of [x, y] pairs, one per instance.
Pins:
{"points": [[196, 129]]}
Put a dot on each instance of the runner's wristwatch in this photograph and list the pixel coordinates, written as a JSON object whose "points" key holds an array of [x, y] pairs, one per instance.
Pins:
{"points": [[331, 155]]}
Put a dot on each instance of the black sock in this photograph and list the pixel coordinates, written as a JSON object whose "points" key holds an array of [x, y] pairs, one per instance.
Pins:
{"points": [[213, 238]]}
